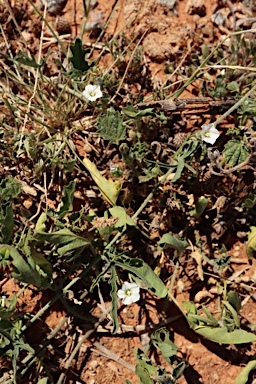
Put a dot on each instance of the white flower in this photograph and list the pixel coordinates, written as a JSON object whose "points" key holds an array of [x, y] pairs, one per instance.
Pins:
{"points": [[130, 293], [92, 92], [209, 133]]}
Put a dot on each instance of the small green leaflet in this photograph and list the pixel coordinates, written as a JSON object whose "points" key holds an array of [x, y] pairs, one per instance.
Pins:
{"points": [[78, 58], [161, 340]]}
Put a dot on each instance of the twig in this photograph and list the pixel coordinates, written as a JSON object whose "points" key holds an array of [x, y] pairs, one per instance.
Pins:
{"points": [[111, 355], [80, 342], [127, 67], [36, 80], [142, 328]]}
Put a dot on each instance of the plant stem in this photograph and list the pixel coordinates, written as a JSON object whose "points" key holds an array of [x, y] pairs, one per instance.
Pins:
{"points": [[234, 107]]}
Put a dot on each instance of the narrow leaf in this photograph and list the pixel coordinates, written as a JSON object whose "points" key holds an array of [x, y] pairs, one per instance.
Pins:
{"points": [[67, 199], [251, 243], [222, 336], [243, 376], [113, 294], [180, 167], [200, 207], [7, 223]]}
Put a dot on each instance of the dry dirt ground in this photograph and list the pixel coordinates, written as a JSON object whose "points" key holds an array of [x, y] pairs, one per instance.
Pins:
{"points": [[167, 35]]}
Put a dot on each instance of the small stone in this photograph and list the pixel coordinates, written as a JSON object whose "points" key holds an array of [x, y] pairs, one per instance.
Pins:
{"points": [[160, 47], [93, 365], [196, 7], [54, 7], [63, 26], [218, 18], [170, 4]]}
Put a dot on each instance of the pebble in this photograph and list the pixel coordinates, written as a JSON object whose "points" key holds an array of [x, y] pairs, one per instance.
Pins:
{"points": [[196, 7], [171, 4]]}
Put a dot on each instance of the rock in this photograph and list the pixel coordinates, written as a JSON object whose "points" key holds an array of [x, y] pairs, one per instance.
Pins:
{"points": [[196, 7], [170, 4], [63, 26], [218, 18], [160, 47]]}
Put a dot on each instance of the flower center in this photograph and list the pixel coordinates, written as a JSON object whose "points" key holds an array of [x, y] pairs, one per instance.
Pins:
{"points": [[92, 93], [128, 292]]}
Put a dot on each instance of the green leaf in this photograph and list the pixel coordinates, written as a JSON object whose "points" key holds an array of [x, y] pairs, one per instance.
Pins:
{"points": [[200, 207], [124, 219], [161, 340], [251, 243], [249, 201], [222, 336], [144, 367], [44, 380], [190, 307], [7, 222], [113, 295], [9, 189], [78, 58], [233, 87], [170, 241], [40, 225], [64, 237], [243, 376], [146, 274], [109, 188], [151, 173], [235, 152], [235, 300], [210, 316], [180, 166], [133, 113], [24, 271], [110, 126], [41, 261], [9, 307], [178, 370], [194, 319], [4, 256], [24, 59], [67, 199], [232, 312]]}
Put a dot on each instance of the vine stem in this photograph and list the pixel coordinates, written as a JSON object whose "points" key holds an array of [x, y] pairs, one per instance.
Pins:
{"points": [[143, 205]]}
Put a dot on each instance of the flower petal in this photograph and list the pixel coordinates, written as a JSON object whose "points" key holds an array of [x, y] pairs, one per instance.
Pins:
{"points": [[209, 133], [130, 293]]}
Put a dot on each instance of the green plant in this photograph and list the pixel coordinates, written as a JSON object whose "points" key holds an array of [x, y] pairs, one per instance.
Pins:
{"points": [[52, 242]]}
